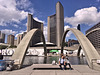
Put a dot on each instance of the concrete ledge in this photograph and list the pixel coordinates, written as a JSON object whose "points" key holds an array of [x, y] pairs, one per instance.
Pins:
{"points": [[78, 70]]}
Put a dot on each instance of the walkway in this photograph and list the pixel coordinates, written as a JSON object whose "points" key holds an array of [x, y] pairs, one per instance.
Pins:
{"points": [[78, 70]]}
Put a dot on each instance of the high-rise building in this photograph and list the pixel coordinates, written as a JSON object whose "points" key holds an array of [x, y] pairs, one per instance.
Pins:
{"points": [[2, 37], [15, 42], [78, 27], [52, 28], [20, 37], [93, 34], [31, 24], [56, 25], [10, 39]]}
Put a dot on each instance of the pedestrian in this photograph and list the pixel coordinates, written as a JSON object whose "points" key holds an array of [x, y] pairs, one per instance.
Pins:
{"points": [[62, 62], [1, 56], [68, 63]]}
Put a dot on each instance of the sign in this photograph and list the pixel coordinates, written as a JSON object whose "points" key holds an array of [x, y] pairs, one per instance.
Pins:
{"points": [[98, 61]]}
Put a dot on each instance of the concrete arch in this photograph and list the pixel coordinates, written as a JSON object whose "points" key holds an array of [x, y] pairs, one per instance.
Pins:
{"points": [[86, 36], [89, 50], [79, 50], [21, 49]]}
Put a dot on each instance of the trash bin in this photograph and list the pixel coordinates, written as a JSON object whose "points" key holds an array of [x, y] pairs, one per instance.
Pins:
{"points": [[2, 65]]}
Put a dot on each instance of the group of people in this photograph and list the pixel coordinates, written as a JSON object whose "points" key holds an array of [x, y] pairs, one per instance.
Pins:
{"points": [[63, 60]]}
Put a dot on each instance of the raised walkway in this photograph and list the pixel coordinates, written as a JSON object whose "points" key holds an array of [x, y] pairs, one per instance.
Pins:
{"points": [[78, 70]]}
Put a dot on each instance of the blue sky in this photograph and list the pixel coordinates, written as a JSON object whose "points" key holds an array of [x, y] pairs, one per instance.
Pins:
{"points": [[13, 14]]}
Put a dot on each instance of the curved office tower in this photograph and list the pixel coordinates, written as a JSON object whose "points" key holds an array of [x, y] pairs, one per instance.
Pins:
{"points": [[52, 29], [56, 25], [31, 24], [59, 22], [93, 34]]}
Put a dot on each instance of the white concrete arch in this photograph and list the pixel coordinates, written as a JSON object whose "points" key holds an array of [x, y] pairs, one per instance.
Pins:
{"points": [[21, 49], [89, 50]]}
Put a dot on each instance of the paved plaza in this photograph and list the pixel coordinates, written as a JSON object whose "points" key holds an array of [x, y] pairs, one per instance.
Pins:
{"points": [[77, 70]]}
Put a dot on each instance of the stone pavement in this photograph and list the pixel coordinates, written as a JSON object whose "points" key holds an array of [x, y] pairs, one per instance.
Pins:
{"points": [[78, 70]]}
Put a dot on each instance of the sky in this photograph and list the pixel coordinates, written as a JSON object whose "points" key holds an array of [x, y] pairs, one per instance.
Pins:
{"points": [[13, 14]]}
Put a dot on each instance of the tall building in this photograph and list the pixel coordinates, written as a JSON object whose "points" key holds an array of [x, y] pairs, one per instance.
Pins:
{"points": [[78, 27], [10, 39], [31, 24], [15, 42], [2, 37], [93, 34], [56, 25], [52, 28], [20, 37]]}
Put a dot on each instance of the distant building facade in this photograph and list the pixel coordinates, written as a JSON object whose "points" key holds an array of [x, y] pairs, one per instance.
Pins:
{"points": [[10, 39], [93, 34], [31, 24], [2, 37], [20, 37], [56, 25], [52, 29], [15, 42], [72, 42]]}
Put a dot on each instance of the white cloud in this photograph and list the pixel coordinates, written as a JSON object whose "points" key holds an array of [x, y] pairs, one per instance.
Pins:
{"points": [[45, 32], [89, 16], [69, 33], [9, 11], [7, 31], [23, 4], [35, 18], [65, 27], [31, 10], [97, 0], [15, 25]]}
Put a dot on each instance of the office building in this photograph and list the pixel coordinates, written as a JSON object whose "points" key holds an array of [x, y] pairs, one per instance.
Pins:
{"points": [[20, 37], [15, 42], [78, 27], [52, 29], [72, 42], [2, 37], [56, 25], [93, 34], [31, 24], [10, 39]]}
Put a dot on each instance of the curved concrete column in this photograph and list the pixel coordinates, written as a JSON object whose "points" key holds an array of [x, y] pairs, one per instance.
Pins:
{"points": [[21, 49], [79, 50], [90, 52]]}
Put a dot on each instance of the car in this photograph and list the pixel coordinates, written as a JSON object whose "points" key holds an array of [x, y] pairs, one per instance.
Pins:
{"points": [[2, 65]]}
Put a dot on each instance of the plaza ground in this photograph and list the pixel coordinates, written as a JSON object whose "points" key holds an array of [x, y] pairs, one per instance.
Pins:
{"points": [[77, 70]]}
